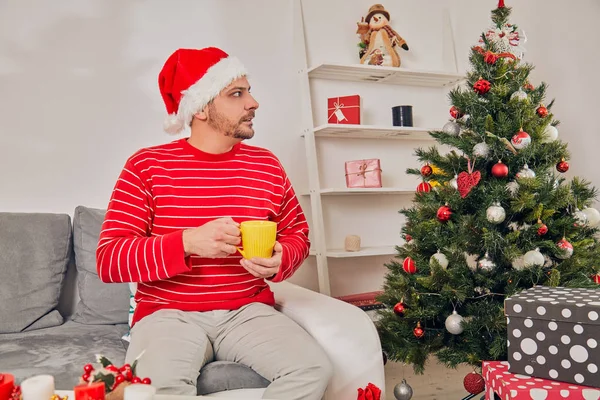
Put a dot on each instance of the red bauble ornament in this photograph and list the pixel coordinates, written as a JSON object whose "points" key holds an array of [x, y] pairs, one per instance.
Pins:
{"points": [[500, 170], [455, 113], [426, 170], [528, 86], [424, 187], [409, 265], [418, 331], [596, 278], [482, 86], [562, 166], [490, 57], [399, 309], [474, 383], [444, 213], [408, 237], [542, 111], [542, 230]]}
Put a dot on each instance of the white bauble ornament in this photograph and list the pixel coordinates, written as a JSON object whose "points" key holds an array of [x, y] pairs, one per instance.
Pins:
{"points": [[550, 134], [593, 216], [454, 182], [454, 323], [580, 217], [518, 263], [566, 247], [512, 187], [520, 140], [526, 172], [471, 260], [451, 128], [481, 150], [486, 263], [495, 213], [519, 95], [441, 259], [533, 258]]}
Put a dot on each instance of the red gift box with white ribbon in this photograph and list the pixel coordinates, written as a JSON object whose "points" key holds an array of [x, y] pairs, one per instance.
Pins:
{"points": [[509, 386], [344, 110]]}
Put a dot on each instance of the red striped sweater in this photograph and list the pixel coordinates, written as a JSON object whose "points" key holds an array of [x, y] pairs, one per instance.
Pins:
{"points": [[165, 189]]}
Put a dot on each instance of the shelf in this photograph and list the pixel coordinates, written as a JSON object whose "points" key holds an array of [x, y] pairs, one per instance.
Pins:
{"points": [[372, 132], [388, 75], [364, 252], [349, 191]]}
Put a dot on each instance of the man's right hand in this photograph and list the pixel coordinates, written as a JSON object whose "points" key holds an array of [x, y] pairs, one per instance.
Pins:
{"points": [[215, 239]]}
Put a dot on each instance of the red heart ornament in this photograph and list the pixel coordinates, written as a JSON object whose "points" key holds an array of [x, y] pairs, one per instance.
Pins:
{"points": [[467, 181]]}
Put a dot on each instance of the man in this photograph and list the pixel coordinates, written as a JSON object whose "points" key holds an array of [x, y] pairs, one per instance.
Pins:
{"points": [[172, 226]]}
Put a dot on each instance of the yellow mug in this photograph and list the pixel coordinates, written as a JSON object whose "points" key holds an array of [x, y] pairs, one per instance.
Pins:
{"points": [[258, 238]]}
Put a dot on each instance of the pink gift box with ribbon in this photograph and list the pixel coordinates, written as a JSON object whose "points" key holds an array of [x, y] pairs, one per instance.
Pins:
{"points": [[344, 110], [363, 173]]}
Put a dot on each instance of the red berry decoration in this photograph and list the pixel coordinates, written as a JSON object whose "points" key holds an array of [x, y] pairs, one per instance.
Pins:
{"points": [[474, 383], [418, 331], [542, 111], [562, 166], [490, 58], [88, 368], [409, 265], [426, 170], [424, 187], [146, 381], [86, 377], [500, 170], [136, 379], [482, 86], [596, 278], [455, 113], [399, 309], [444, 213], [119, 379]]}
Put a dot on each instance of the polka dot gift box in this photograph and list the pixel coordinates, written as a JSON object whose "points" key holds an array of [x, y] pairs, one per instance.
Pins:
{"points": [[508, 386], [553, 333]]}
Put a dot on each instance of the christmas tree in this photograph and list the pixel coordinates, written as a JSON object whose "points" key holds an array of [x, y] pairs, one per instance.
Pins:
{"points": [[493, 216]]}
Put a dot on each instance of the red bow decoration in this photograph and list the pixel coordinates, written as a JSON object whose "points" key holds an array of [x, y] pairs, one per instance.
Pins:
{"points": [[480, 50], [467, 181], [371, 392]]}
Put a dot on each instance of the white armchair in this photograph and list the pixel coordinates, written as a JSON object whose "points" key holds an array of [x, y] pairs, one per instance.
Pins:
{"points": [[345, 332]]}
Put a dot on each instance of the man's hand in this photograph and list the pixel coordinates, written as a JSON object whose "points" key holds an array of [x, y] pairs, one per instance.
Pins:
{"points": [[215, 239], [264, 267]]}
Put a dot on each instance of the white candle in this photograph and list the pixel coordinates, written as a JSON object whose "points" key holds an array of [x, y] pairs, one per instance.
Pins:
{"points": [[138, 391], [39, 387]]}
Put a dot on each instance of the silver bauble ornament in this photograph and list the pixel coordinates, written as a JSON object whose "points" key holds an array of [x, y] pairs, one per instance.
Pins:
{"points": [[533, 258], [486, 263], [593, 217], [526, 172], [451, 128], [481, 150], [580, 217], [403, 391], [519, 95], [454, 182], [550, 134], [441, 259], [495, 213], [454, 323]]}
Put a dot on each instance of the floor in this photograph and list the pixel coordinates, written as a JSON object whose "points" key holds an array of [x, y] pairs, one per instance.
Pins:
{"points": [[437, 383]]}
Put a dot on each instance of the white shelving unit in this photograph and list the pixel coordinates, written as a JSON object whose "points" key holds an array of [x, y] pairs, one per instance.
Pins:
{"points": [[311, 134]]}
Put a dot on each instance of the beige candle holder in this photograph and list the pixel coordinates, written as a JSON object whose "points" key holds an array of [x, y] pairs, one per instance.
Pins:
{"points": [[352, 243]]}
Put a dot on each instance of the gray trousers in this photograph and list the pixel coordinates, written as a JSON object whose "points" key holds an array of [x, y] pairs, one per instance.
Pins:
{"points": [[177, 344]]}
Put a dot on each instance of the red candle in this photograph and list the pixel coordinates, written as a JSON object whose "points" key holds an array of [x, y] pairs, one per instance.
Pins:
{"points": [[89, 391], [7, 383]]}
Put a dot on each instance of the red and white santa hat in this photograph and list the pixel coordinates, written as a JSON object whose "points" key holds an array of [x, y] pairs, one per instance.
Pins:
{"points": [[191, 78]]}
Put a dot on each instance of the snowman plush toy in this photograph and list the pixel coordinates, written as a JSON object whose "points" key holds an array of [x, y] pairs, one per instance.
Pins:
{"points": [[378, 39]]}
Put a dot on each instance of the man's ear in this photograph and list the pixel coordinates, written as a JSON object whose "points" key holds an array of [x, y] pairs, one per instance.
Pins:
{"points": [[202, 115]]}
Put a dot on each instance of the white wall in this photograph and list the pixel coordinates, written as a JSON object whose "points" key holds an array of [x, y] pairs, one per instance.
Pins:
{"points": [[78, 94]]}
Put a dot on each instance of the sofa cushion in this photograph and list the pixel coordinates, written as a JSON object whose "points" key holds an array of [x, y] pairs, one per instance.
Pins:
{"points": [[99, 303], [219, 376], [35, 249], [60, 351]]}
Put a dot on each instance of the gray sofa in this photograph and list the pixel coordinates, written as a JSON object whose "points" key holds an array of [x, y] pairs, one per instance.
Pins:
{"points": [[56, 315]]}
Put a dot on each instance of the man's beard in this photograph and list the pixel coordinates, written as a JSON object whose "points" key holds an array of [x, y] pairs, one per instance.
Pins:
{"points": [[237, 130]]}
